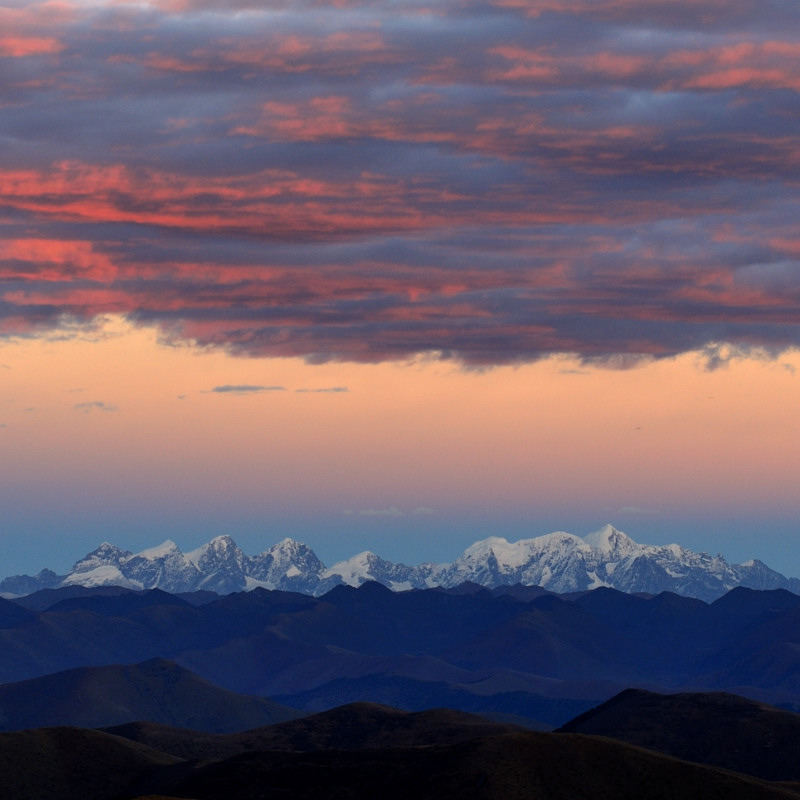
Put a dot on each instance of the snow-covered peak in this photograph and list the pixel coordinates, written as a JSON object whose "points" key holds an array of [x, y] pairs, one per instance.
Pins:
{"points": [[286, 547], [355, 570], [166, 548], [558, 540], [101, 575], [287, 565], [362, 559], [485, 545], [105, 555], [499, 549], [516, 554], [218, 547], [287, 553], [221, 548], [368, 566], [222, 543], [601, 540], [611, 542]]}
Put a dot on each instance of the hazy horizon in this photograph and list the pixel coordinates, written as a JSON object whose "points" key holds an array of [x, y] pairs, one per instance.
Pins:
{"points": [[331, 552]]}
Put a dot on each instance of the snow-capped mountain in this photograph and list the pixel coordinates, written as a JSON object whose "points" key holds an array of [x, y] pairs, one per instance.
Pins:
{"points": [[560, 562], [367, 566], [219, 566], [291, 566]]}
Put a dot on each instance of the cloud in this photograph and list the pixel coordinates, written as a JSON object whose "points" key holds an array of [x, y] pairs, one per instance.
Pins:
{"points": [[719, 355], [246, 388], [393, 511], [95, 405], [496, 182], [327, 390]]}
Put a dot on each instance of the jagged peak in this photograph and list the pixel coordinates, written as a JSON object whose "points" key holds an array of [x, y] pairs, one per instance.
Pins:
{"points": [[105, 553], [218, 546], [106, 547], [222, 541], [287, 547], [287, 543]]}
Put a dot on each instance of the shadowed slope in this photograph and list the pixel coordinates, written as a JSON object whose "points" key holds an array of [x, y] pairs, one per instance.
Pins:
{"points": [[73, 764], [523, 766], [67, 764], [155, 690], [711, 728], [352, 727]]}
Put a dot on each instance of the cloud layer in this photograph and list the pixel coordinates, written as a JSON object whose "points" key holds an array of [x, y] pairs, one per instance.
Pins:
{"points": [[491, 180]]}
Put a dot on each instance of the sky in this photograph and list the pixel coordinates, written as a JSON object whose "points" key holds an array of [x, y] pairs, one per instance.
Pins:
{"points": [[398, 275]]}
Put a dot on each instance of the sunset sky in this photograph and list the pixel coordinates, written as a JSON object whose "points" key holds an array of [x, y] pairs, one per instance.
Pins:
{"points": [[399, 275]]}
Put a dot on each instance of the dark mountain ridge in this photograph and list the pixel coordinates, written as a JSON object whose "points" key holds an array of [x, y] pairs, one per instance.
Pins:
{"points": [[545, 656], [714, 728]]}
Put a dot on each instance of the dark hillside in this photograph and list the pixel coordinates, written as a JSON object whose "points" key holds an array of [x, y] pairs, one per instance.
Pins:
{"points": [[508, 767], [353, 727], [710, 728], [73, 764], [156, 690]]}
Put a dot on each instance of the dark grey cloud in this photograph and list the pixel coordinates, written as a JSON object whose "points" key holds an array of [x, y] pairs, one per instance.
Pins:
{"points": [[95, 405], [246, 388]]}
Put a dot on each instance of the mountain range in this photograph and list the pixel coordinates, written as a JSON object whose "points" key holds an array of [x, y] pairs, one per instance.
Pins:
{"points": [[150, 664], [510, 650], [558, 562]]}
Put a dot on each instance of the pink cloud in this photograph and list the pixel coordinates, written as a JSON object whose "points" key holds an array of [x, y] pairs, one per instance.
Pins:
{"points": [[53, 259], [18, 46]]}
